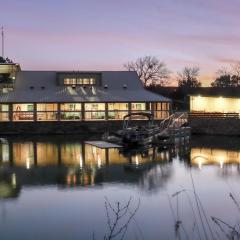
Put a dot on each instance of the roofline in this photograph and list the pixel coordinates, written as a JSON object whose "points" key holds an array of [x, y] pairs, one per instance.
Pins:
{"points": [[78, 71], [217, 95]]}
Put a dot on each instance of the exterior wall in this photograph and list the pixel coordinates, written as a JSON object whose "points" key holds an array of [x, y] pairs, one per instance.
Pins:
{"points": [[215, 126], [83, 128], [214, 115], [214, 104]]}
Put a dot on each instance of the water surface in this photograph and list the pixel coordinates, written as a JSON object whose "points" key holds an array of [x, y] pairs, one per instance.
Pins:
{"points": [[56, 188]]}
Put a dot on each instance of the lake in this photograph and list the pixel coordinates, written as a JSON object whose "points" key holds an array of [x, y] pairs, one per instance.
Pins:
{"points": [[61, 187]]}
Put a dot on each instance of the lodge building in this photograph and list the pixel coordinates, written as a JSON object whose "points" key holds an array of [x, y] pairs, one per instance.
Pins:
{"points": [[215, 111], [65, 96]]}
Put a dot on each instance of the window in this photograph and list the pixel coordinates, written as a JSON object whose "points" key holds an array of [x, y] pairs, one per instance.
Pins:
{"points": [[95, 111], [71, 111], [116, 111], [47, 112], [79, 81], [161, 110], [138, 107], [69, 81], [4, 112], [23, 112]]}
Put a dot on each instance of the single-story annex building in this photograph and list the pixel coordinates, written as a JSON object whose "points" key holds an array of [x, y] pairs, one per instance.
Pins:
{"points": [[215, 110], [68, 96]]}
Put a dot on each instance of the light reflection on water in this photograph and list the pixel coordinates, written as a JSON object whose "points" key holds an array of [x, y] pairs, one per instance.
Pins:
{"points": [[54, 187]]}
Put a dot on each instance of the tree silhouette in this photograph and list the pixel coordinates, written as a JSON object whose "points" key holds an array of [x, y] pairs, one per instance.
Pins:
{"points": [[150, 70], [188, 78]]}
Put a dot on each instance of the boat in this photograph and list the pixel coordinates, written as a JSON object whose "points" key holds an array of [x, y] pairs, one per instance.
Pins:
{"points": [[150, 132], [138, 135]]}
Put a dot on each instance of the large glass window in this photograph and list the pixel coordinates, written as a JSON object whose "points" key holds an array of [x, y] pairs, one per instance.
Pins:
{"points": [[23, 112], [95, 111], [79, 81], [135, 107], [69, 81], [116, 111], [71, 111], [138, 107], [161, 110], [4, 112], [47, 112]]}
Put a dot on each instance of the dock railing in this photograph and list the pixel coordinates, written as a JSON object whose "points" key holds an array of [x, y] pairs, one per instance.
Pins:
{"points": [[213, 115], [175, 121]]}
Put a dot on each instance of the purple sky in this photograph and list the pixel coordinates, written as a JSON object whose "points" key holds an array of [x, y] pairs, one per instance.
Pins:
{"points": [[104, 34]]}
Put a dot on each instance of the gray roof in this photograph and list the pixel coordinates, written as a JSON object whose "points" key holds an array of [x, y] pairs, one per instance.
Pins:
{"points": [[28, 88]]}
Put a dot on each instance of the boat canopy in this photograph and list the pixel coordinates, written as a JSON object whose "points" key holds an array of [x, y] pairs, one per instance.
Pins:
{"points": [[145, 114]]}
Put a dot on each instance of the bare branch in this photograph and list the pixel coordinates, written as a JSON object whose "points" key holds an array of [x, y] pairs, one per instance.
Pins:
{"points": [[115, 228], [150, 70]]}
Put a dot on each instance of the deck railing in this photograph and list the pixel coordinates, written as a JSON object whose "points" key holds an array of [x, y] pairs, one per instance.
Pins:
{"points": [[213, 115]]}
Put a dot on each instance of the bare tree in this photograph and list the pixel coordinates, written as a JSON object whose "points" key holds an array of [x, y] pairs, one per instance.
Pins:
{"points": [[228, 77], [150, 70], [236, 69], [223, 71], [188, 78]]}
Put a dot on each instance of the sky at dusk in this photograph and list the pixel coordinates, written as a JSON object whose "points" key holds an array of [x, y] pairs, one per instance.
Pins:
{"points": [[105, 34]]}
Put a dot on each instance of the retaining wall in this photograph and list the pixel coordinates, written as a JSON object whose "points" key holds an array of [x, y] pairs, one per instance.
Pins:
{"points": [[215, 126], [93, 127]]}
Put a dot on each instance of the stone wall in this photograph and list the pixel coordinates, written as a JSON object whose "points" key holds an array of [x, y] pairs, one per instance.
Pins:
{"points": [[215, 126], [93, 127]]}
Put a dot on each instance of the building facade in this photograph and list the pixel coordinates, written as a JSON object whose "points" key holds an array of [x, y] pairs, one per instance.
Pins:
{"points": [[215, 111], [50, 96]]}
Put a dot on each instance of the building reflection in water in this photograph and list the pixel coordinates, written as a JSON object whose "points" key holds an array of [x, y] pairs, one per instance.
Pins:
{"points": [[74, 163], [213, 156]]}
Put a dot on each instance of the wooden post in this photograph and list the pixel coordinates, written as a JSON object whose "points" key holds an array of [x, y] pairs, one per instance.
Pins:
{"points": [[83, 111], [106, 111], [59, 111], [34, 112], [10, 112], [35, 153]]}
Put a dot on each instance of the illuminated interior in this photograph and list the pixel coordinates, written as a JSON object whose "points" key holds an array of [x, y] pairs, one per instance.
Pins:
{"points": [[94, 111], [79, 81], [47, 111], [79, 111], [214, 104], [71, 111], [161, 110], [23, 112], [117, 111], [4, 112]]}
